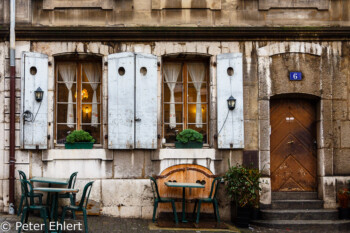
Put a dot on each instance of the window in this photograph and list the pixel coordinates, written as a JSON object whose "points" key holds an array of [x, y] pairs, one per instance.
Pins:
{"points": [[185, 98], [78, 99]]}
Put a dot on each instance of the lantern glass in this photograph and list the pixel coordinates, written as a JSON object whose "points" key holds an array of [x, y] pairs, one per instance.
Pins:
{"points": [[39, 94], [231, 103]]}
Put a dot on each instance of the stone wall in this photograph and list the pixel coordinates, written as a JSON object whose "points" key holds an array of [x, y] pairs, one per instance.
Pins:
{"points": [[117, 172], [194, 13]]}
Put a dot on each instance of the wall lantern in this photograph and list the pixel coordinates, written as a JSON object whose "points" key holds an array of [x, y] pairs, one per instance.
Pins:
{"points": [[39, 94], [231, 103]]}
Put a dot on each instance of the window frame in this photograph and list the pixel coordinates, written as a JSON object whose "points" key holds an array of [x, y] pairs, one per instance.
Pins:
{"points": [[79, 84], [184, 73]]}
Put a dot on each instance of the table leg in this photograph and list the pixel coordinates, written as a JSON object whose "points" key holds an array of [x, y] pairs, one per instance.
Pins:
{"points": [[55, 211], [184, 205]]}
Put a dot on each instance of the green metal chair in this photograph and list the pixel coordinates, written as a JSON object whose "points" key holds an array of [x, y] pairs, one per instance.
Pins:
{"points": [[210, 199], [81, 207], [71, 196], [158, 199], [29, 206], [23, 176]]}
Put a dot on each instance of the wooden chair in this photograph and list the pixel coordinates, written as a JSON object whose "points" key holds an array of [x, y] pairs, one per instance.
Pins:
{"points": [[211, 199], [23, 176], [158, 199], [81, 207], [30, 206], [71, 196]]}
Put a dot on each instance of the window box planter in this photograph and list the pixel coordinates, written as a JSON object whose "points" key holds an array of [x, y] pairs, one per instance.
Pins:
{"points": [[188, 145], [79, 145]]}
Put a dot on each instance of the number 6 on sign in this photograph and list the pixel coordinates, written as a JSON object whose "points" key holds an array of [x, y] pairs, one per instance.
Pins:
{"points": [[295, 76]]}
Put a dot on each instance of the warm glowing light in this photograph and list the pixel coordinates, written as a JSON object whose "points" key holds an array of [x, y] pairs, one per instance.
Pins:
{"points": [[87, 110], [84, 94]]}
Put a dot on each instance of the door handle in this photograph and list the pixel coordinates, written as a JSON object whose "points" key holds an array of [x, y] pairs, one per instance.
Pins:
{"points": [[137, 119], [290, 142]]}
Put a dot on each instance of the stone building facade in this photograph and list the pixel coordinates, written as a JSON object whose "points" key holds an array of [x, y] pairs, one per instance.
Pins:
{"points": [[268, 38]]}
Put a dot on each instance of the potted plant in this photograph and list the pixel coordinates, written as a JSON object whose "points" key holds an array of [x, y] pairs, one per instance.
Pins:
{"points": [[189, 138], [79, 139], [343, 198], [242, 186]]}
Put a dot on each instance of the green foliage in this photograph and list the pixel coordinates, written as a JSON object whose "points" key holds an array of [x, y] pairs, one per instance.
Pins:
{"points": [[242, 185], [189, 135], [79, 136]]}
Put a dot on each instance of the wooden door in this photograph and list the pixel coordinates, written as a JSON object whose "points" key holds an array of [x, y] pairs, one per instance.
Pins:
{"points": [[293, 145]]}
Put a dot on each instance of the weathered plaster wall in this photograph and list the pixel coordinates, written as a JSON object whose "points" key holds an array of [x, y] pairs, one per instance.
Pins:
{"points": [[179, 13], [325, 77], [115, 172]]}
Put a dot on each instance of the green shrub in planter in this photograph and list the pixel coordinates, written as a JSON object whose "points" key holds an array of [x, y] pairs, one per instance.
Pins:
{"points": [[79, 139], [242, 186], [189, 138]]}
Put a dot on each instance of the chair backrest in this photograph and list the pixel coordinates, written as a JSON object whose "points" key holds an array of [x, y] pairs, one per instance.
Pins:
{"points": [[22, 175], [72, 180], [214, 187], [27, 192], [154, 187], [85, 196]]}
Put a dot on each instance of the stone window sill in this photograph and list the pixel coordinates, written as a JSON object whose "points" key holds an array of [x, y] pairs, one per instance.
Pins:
{"points": [[77, 154], [170, 153], [172, 146]]}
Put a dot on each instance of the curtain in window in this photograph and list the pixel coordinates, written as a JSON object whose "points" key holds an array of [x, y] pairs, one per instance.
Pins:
{"points": [[67, 72], [171, 73], [197, 73], [93, 73]]}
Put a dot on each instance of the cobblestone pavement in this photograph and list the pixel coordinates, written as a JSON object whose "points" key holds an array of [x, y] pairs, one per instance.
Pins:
{"points": [[104, 224]]}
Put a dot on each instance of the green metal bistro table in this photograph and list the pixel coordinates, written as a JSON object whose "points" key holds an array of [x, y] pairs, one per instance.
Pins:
{"points": [[55, 192], [49, 180], [184, 186]]}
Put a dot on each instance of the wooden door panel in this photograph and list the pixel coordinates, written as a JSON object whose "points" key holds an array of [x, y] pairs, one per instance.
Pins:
{"points": [[293, 154], [291, 170], [298, 151]]}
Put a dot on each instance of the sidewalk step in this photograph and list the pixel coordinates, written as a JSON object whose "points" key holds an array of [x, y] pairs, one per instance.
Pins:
{"points": [[320, 225], [315, 214], [297, 204], [294, 196]]}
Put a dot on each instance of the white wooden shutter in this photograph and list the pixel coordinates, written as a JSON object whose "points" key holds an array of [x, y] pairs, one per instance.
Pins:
{"points": [[146, 101], [34, 74], [232, 130], [121, 84]]}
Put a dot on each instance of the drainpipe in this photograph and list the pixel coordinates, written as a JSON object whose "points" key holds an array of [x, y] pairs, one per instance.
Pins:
{"points": [[12, 158]]}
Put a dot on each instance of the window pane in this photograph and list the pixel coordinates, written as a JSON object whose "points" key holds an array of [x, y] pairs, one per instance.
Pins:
{"points": [[62, 132], [192, 93], [202, 130], [94, 131], [178, 112], [87, 113], [62, 113], [88, 92], [192, 113], [170, 134], [177, 92], [59, 77], [62, 93], [94, 72]]}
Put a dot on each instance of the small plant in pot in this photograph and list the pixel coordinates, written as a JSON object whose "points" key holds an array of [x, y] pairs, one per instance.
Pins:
{"points": [[242, 186], [189, 138], [343, 198], [79, 139]]}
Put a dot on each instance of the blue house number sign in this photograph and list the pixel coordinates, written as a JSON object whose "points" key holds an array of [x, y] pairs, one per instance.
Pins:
{"points": [[295, 76]]}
